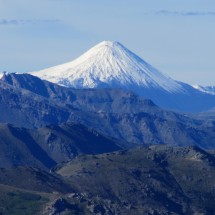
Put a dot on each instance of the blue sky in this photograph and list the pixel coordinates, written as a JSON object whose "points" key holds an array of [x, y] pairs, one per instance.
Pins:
{"points": [[175, 36]]}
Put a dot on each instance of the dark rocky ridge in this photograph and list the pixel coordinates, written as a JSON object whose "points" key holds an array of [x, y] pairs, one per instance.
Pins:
{"points": [[30, 102], [153, 180], [45, 147]]}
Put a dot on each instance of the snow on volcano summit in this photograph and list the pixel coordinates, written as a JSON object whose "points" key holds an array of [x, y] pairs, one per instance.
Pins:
{"points": [[109, 64], [207, 89]]}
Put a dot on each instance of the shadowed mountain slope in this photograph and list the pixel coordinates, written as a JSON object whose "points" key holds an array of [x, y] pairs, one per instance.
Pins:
{"points": [[112, 112], [154, 180], [45, 147]]}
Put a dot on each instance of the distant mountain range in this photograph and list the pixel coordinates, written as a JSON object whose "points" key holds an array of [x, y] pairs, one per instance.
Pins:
{"points": [[111, 65], [29, 102]]}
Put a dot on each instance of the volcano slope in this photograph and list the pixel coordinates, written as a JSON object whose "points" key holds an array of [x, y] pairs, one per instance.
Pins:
{"points": [[111, 65]]}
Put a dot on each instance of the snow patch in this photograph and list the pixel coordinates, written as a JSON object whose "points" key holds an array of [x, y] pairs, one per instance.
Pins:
{"points": [[207, 89], [2, 74]]}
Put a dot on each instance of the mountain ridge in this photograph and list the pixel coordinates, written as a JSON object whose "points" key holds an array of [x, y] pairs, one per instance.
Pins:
{"points": [[144, 180], [45, 147], [112, 112]]}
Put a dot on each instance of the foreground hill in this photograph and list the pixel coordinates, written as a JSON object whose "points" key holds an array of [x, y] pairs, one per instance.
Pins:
{"points": [[156, 180]]}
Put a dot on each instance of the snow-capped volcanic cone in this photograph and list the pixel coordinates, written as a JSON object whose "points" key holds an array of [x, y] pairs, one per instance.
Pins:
{"points": [[110, 64]]}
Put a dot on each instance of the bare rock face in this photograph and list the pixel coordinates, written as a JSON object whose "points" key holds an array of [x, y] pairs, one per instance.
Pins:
{"points": [[155, 180], [60, 205], [152, 180]]}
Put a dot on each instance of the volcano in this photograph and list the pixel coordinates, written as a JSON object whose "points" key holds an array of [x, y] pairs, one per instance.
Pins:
{"points": [[111, 65]]}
